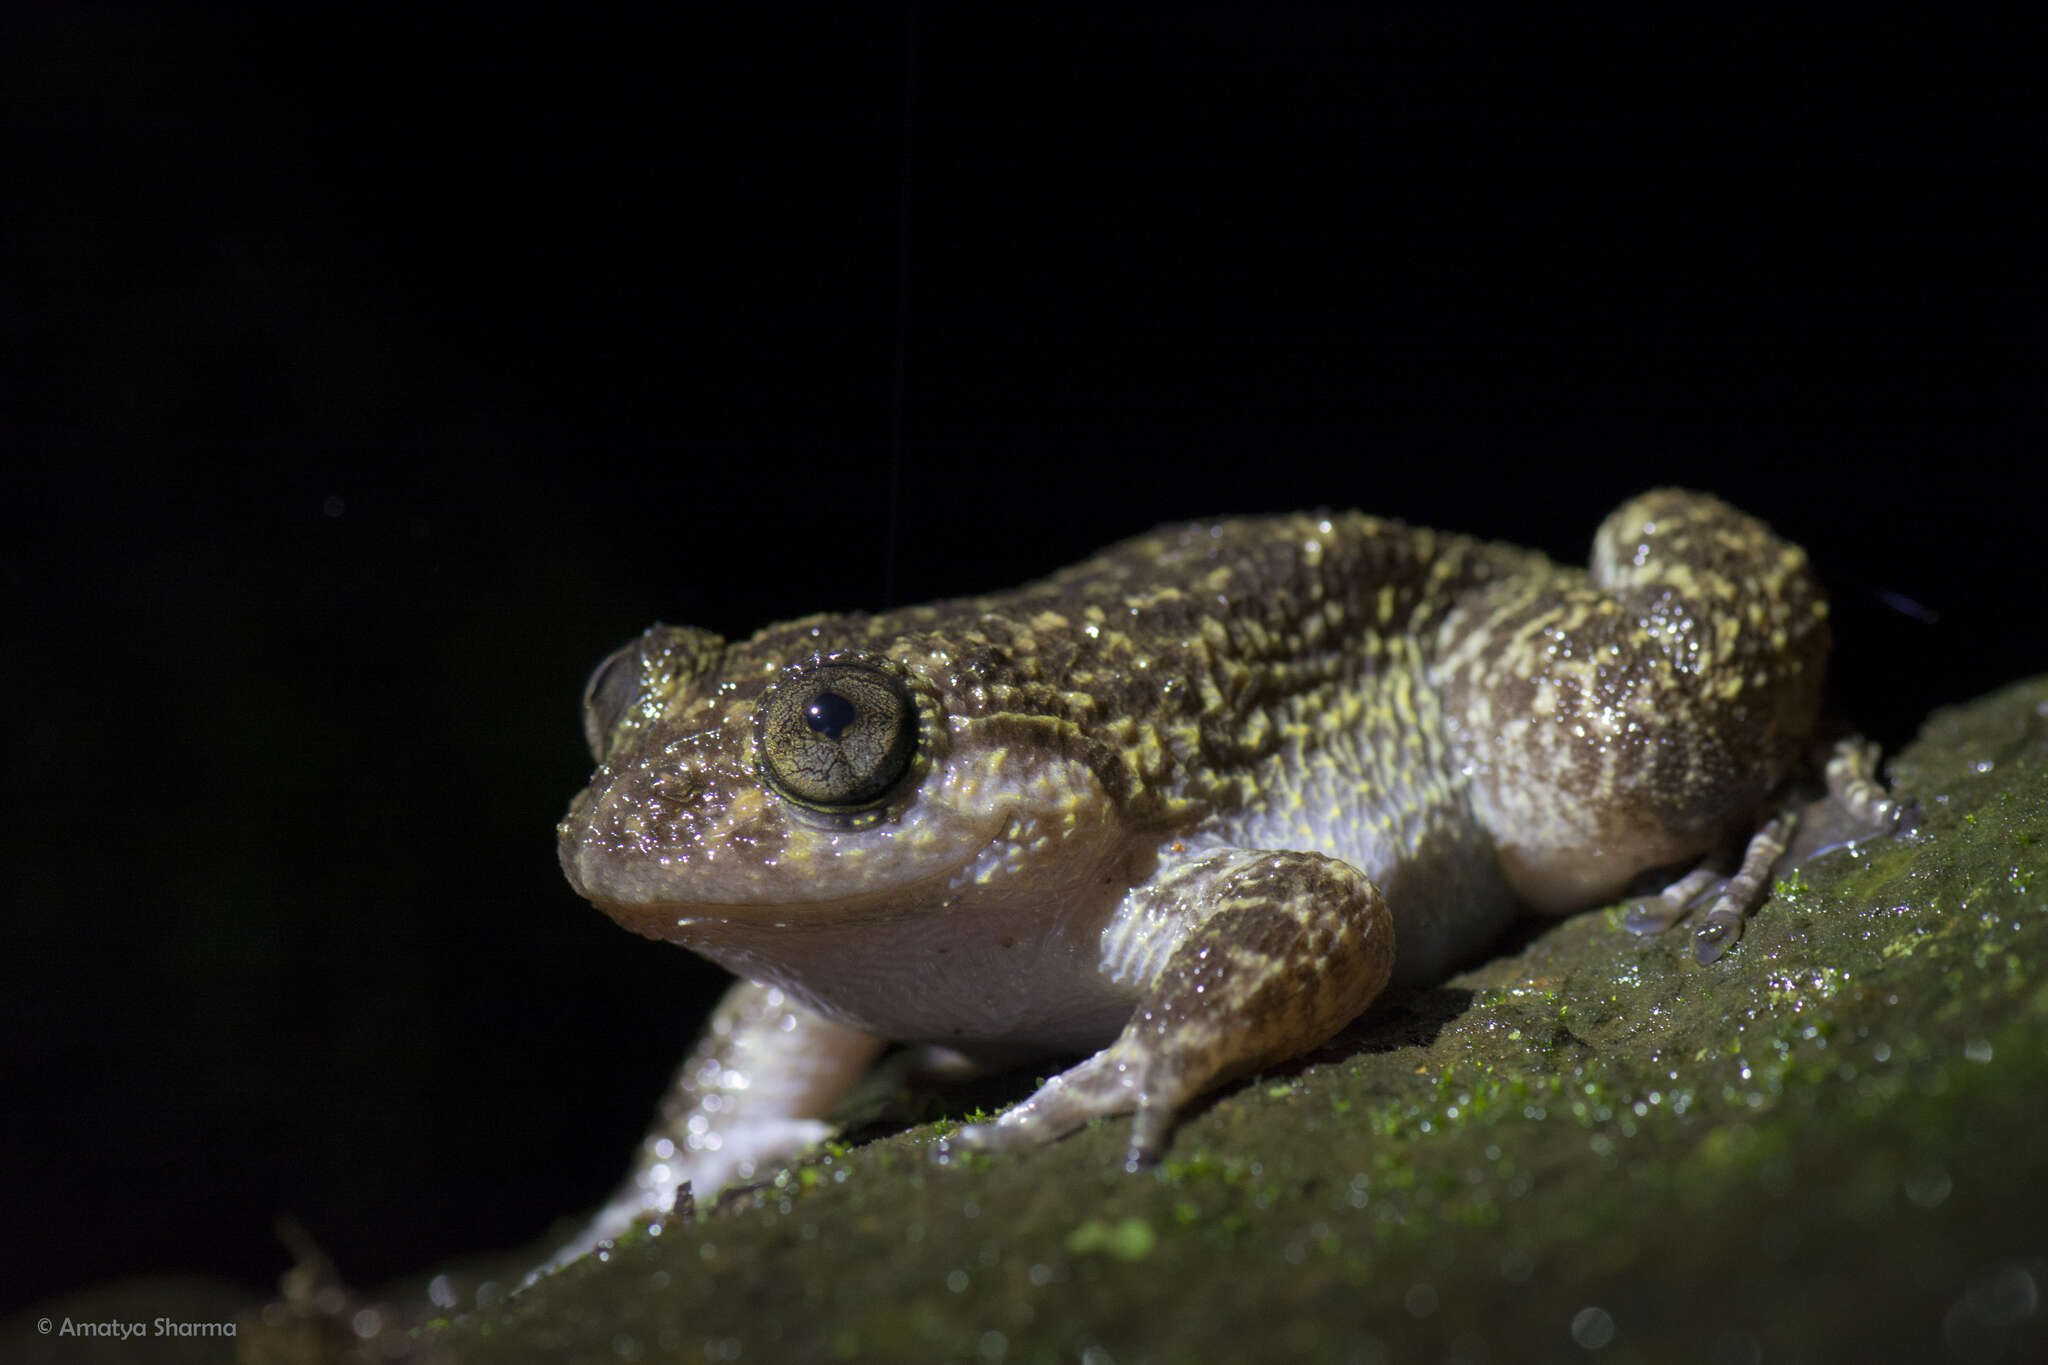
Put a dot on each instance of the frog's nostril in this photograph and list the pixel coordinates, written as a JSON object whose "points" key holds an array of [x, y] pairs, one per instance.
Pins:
{"points": [[675, 789]]}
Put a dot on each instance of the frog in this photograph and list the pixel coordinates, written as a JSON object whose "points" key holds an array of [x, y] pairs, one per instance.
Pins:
{"points": [[1188, 807]]}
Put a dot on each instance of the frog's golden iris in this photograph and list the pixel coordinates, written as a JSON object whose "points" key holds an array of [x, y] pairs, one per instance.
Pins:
{"points": [[836, 734]]}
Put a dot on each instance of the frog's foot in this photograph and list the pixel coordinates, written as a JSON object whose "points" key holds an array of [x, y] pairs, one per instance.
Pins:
{"points": [[1276, 952], [1739, 895], [1718, 931], [1857, 806], [1115, 1080], [1853, 785], [1655, 914]]}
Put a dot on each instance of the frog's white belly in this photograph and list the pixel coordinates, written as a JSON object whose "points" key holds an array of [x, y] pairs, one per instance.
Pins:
{"points": [[993, 982]]}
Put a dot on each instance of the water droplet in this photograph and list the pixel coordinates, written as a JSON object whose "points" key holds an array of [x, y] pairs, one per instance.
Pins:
{"points": [[1593, 1328]]}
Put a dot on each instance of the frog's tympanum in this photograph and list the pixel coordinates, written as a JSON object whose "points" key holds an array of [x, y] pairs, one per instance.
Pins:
{"points": [[1188, 807]]}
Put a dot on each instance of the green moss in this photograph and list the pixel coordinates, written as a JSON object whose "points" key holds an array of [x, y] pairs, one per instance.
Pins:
{"points": [[1127, 1239]]}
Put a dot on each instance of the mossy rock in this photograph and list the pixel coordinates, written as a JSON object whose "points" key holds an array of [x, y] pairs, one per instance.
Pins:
{"points": [[1821, 1147]]}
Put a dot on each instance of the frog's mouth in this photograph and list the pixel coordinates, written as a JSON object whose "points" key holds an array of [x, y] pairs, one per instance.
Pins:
{"points": [[698, 923], [786, 876]]}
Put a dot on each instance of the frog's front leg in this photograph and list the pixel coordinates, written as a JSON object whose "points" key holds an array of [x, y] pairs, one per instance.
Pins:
{"points": [[755, 1089], [1243, 958]]}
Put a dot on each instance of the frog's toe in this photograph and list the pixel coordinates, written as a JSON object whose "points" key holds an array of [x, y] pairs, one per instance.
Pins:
{"points": [[1716, 934], [1655, 914], [1105, 1084], [1651, 915], [1733, 897], [1010, 1132], [1911, 815]]}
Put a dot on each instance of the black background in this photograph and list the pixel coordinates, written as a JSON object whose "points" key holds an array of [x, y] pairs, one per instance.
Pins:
{"points": [[371, 371]]}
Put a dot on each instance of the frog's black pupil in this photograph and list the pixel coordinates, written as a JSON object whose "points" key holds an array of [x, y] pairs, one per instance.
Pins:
{"points": [[829, 714]]}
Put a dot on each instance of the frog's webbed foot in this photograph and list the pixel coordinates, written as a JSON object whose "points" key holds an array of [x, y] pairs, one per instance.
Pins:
{"points": [[1857, 806], [1276, 951]]}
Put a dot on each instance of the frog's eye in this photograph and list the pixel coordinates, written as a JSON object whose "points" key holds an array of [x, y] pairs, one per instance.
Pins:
{"points": [[836, 735], [612, 687]]}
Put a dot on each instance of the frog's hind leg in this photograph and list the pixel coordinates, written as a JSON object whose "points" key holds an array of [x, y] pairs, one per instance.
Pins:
{"points": [[1642, 713]]}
